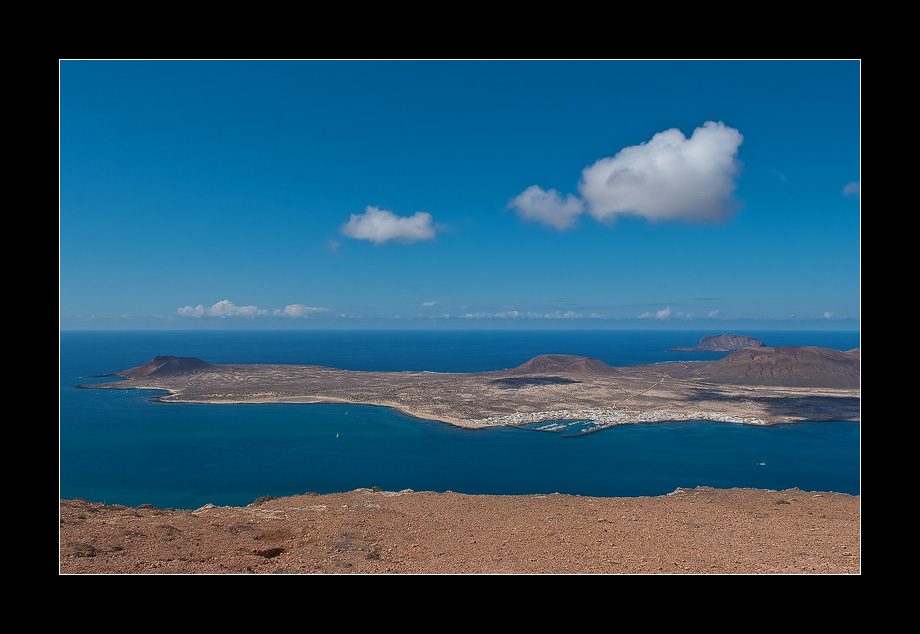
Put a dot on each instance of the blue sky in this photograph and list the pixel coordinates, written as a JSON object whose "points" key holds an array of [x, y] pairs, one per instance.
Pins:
{"points": [[453, 194]]}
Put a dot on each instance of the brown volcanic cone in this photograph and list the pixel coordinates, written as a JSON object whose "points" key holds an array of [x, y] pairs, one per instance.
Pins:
{"points": [[794, 366], [563, 364], [165, 366]]}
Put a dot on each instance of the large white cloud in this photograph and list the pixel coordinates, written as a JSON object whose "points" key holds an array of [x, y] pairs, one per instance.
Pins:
{"points": [[669, 177], [380, 225]]}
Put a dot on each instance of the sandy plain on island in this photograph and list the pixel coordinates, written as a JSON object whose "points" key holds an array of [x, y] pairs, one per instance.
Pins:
{"points": [[644, 393]]}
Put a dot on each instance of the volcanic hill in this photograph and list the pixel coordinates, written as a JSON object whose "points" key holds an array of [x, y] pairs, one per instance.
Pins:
{"points": [[563, 364], [792, 366], [165, 365]]}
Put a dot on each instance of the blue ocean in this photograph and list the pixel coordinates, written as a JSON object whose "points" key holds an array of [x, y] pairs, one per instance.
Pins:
{"points": [[123, 447]]}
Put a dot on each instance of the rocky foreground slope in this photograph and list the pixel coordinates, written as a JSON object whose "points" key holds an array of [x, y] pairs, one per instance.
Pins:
{"points": [[691, 531]]}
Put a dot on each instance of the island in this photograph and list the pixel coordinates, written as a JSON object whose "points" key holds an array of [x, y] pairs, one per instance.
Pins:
{"points": [[757, 386], [371, 531], [723, 343]]}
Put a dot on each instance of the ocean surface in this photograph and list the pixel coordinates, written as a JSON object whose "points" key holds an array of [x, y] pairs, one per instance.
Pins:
{"points": [[121, 447]]}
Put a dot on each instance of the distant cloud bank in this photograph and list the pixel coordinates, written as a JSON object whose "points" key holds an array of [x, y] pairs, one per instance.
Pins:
{"points": [[225, 309], [664, 313], [669, 177], [514, 314], [379, 226], [298, 310]]}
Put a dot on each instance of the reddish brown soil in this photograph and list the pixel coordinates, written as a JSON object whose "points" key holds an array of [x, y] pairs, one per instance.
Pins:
{"points": [[691, 531]]}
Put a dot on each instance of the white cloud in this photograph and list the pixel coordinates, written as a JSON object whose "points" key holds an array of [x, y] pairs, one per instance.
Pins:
{"points": [[505, 314], [226, 309], [380, 225], [298, 310], [514, 314], [828, 315], [569, 314], [851, 189], [222, 309], [669, 177], [547, 207], [664, 313]]}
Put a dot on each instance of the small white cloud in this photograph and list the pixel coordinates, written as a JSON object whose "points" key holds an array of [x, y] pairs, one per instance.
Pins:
{"points": [[504, 314], [713, 313], [380, 225], [569, 314], [851, 189], [428, 303], [514, 314], [664, 313], [547, 207], [828, 315], [298, 310], [222, 309], [192, 311]]}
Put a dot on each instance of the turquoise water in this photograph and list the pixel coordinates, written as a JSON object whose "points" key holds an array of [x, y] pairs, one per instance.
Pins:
{"points": [[120, 447]]}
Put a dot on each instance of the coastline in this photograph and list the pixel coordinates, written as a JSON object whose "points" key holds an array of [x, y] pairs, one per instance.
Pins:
{"points": [[510, 420], [630, 395], [367, 531], [690, 531]]}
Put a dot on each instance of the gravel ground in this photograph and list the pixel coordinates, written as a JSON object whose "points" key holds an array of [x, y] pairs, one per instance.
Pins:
{"points": [[691, 531]]}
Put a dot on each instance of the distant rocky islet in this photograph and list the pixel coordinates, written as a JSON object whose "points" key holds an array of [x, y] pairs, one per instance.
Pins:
{"points": [[723, 343]]}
